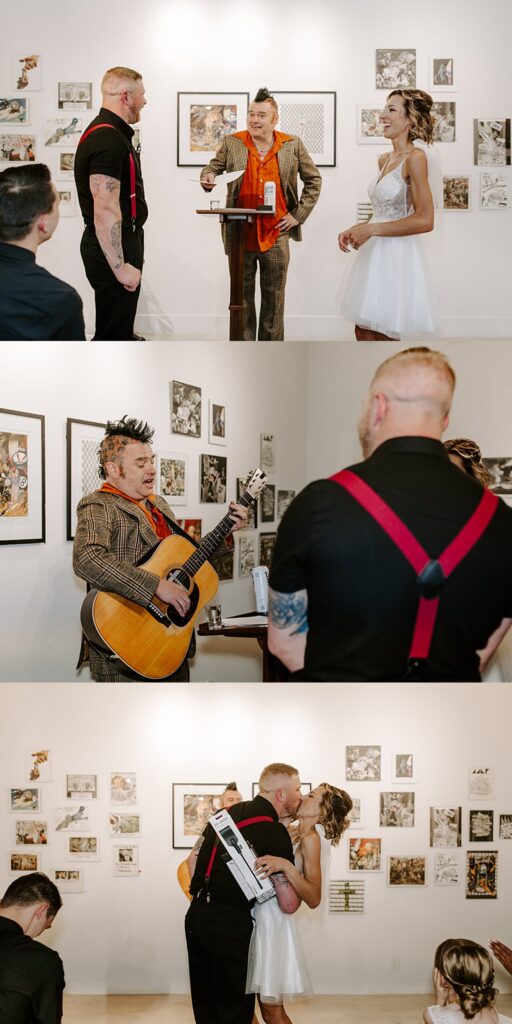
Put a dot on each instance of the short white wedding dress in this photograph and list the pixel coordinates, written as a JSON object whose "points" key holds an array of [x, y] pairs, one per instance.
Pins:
{"points": [[388, 288], [277, 968]]}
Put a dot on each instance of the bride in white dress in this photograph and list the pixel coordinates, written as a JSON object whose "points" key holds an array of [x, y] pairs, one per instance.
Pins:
{"points": [[277, 969], [388, 294], [464, 985]]}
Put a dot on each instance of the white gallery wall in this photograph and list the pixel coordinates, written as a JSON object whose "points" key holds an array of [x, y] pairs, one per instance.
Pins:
{"points": [[263, 391], [126, 934], [239, 45]]}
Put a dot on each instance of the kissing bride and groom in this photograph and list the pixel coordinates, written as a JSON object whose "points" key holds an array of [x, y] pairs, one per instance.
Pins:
{"points": [[236, 950]]}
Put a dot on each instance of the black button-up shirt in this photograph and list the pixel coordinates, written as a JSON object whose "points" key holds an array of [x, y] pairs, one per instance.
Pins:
{"points": [[31, 978], [107, 151], [35, 305], [362, 592]]}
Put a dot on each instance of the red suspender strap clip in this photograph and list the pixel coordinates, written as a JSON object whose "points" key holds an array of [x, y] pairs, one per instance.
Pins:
{"points": [[133, 199], [239, 824], [431, 573]]}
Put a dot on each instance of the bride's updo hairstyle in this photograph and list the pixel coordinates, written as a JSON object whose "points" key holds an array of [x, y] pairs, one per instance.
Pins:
{"points": [[470, 457], [334, 808], [418, 110], [468, 968]]}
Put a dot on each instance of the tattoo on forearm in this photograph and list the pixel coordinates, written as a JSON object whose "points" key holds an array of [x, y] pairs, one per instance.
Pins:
{"points": [[288, 610], [117, 244]]}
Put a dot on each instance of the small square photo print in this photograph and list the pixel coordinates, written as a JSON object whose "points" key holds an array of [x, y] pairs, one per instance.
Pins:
{"points": [[407, 870]]}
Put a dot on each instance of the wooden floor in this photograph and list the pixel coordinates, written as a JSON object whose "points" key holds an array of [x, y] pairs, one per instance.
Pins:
{"points": [[153, 1009]]}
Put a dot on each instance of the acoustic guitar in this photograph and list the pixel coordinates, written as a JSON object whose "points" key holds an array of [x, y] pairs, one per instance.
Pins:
{"points": [[152, 642]]}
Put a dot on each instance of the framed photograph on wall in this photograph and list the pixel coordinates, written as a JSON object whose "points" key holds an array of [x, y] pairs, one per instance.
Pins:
{"points": [[22, 478], [213, 472], [346, 897], [72, 818], [67, 199], [363, 764], [124, 824], [395, 69], [126, 860], [446, 869], [216, 423], [83, 848], [402, 768], [224, 564], [364, 854], [355, 816], [185, 401], [64, 131], [481, 783], [441, 74], [27, 72], [267, 545], [123, 787], [69, 880], [172, 477], [204, 118], [407, 870], [81, 787], [246, 554], [268, 503], [311, 116], [252, 511], [192, 804], [25, 798], [284, 500], [75, 95], [268, 453], [397, 810], [66, 163], [23, 862], [193, 527], [31, 832], [18, 148], [491, 138], [501, 475], [38, 765], [505, 826], [481, 874], [457, 192], [494, 191], [369, 125], [14, 111], [481, 826], [445, 826], [445, 121], [83, 438]]}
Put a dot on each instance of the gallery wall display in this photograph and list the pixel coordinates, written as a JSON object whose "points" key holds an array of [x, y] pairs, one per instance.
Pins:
{"points": [[22, 477], [456, 192], [395, 69], [442, 74], [204, 118], [192, 804], [172, 477], [311, 116], [83, 438]]}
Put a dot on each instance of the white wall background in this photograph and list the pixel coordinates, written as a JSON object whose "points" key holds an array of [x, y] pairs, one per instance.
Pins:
{"points": [[238, 45], [309, 396], [126, 934], [40, 598]]}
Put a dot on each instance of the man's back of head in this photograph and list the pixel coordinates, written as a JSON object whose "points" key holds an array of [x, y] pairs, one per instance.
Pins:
{"points": [[29, 205], [32, 901]]}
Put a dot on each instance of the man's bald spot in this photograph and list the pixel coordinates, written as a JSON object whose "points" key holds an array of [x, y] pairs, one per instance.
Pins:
{"points": [[425, 382]]}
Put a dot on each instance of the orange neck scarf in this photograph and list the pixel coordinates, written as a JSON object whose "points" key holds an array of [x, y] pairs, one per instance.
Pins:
{"points": [[155, 518]]}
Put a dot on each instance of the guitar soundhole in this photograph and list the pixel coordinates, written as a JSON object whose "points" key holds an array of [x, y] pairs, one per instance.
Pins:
{"points": [[173, 615]]}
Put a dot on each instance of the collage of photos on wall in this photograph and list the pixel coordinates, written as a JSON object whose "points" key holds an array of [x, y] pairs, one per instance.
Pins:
{"points": [[256, 599]]}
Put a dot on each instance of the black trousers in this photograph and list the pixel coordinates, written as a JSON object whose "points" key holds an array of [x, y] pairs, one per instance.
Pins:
{"points": [[115, 307], [218, 937]]}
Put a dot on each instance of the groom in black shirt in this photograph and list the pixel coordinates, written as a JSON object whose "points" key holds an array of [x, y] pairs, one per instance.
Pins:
{"points": [[219, 925]]}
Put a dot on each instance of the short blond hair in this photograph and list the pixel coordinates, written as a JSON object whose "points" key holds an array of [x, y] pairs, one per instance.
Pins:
{"points": [[119, 74], [271, 771], [434, 367]]}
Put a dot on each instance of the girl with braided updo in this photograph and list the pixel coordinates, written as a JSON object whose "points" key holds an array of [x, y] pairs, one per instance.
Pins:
{"points": [[463, 979], [388, 294], [277, 969]]}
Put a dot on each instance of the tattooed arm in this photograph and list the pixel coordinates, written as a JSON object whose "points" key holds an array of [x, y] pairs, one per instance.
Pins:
{"points": [[108, 226], [288, 627]]}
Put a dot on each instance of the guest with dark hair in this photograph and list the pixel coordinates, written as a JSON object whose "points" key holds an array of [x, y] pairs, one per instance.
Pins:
{"points": [[31, 974], [264, 155], [34, 305], [463, 979]]}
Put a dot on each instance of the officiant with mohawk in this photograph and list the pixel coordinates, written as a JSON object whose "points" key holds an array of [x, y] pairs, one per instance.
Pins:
{"points": [[119, 525], [266, 155]]}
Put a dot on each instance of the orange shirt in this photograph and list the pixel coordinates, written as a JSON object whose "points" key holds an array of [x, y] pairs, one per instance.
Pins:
{"points": [[263, 232], [155, 518]]}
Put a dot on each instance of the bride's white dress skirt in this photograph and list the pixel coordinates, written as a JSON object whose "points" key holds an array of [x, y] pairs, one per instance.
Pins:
{"points": [[388, 288], [277, 969]]}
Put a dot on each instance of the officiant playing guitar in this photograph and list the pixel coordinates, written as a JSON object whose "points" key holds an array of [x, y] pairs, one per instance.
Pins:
{"points": [[119, 527]]}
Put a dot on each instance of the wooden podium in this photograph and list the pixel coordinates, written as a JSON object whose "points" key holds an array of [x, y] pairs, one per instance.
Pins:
{"points": [[238, 217]]}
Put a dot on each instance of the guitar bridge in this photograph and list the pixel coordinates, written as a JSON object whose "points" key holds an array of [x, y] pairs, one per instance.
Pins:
{"points": [[158, 614]]}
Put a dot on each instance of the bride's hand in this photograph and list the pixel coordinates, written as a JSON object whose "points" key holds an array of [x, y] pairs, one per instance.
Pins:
{"points": [[359, 234], [266, 866], [344, 241]]}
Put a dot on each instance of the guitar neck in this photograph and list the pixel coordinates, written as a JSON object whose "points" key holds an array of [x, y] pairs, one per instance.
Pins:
{"points": [[213, 539]]}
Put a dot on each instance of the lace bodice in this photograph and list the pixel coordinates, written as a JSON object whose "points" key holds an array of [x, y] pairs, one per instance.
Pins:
{"points": [[390, 196]]}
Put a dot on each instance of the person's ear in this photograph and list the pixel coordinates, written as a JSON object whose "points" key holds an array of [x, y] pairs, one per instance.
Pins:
{"points": [[379, 408]]}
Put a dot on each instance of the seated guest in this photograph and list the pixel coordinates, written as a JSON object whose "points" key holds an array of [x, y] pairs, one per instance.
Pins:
{"points": [[463, 979], [34, 305], [31, 974]]}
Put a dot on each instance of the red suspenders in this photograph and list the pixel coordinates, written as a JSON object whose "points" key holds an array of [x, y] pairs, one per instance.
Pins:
{"points": [[133, 200], [239, 824], [431, 573]]}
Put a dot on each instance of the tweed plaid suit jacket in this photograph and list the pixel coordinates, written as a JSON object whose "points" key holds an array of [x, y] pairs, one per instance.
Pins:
{"points": [[294, 162]]}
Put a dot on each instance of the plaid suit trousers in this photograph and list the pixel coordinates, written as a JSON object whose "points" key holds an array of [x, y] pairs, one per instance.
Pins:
{"points": [[273, 266]]}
